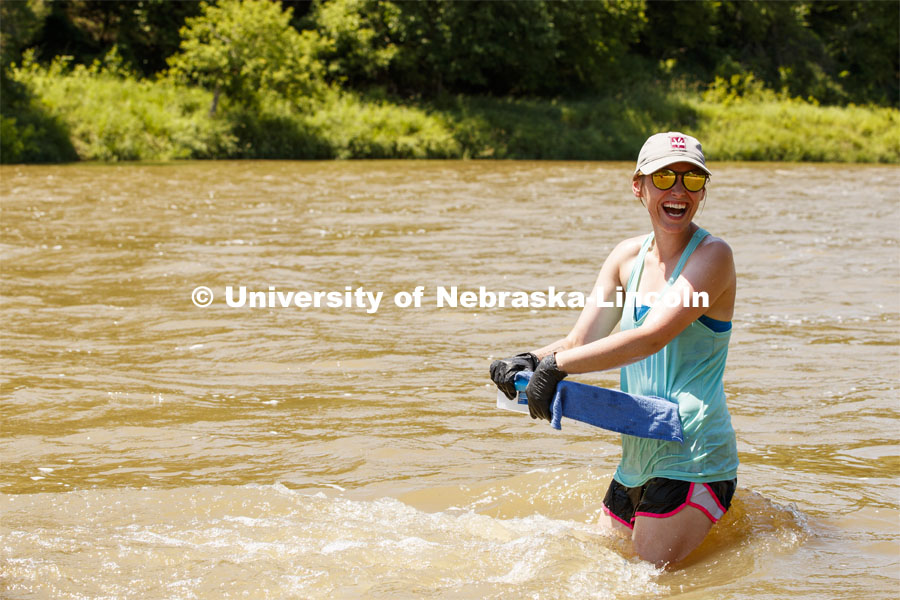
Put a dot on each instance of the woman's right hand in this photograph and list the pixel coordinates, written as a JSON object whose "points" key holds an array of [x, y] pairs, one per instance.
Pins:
{"points": [[503, 372], [542, 387]]}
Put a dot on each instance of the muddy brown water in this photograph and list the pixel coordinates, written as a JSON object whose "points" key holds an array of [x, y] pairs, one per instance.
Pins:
{"points": [[155, 449]]}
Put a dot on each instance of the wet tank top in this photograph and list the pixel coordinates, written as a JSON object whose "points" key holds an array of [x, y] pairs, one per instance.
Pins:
{"points": [[687, 371]]}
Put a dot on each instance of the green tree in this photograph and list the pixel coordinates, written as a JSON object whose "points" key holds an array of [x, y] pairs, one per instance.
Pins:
{"points": [[519, 48], [19, 23], [834, 52], [144, 32], [27, 132], [595, 41], [245, 49], [862, 40], [363, 36]]}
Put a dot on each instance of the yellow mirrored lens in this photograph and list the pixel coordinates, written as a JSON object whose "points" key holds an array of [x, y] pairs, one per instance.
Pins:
{"points": [[663, 180], [693, 182]]}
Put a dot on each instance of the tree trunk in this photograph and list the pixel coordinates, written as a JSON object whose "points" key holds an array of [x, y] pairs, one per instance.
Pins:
{"points": [[215, 102]]}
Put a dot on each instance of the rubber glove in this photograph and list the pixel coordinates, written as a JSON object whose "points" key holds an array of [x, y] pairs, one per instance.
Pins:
{"points": [[503, 372], [542, 387]]}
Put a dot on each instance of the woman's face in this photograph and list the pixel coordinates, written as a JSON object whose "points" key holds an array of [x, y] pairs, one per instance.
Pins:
{"points": [[672, 209]]}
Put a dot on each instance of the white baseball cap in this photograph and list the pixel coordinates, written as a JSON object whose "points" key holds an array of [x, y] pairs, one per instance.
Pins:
{"points": [[663, 149]]}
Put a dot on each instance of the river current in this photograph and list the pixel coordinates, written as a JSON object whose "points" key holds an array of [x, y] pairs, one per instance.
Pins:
{"points": [[153, 448]]}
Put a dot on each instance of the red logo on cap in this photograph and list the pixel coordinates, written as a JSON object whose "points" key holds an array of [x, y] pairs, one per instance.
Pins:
{"points": [[678, 142]]}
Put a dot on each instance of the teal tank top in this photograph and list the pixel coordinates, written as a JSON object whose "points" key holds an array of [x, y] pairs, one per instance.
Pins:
{"points": [[687, 371]]}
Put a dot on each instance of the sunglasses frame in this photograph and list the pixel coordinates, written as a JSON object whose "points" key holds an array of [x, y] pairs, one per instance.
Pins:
{"points": [[677, 175]]}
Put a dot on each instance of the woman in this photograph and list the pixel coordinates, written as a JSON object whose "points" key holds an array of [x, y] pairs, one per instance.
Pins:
{"points": [[664, 495]]}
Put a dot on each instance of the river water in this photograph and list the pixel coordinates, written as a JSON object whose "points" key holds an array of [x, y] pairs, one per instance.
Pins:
{"points": [[155, 449]]}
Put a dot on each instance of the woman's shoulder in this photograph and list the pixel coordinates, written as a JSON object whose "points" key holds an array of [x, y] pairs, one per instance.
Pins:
{"points": [[715, 248], [622, 257], [713, 255], [630, 247]]}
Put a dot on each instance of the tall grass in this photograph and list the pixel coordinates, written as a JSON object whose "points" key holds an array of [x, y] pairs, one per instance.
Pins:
{"points": [[355, 127], [606, 128], [108, 116], [113, 118], [787, 130]]}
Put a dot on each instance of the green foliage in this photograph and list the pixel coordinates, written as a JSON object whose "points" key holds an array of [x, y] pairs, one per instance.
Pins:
{"points": [[270, 135], [111, 118], [28, 133], [739, 88], [163, 120], [19, 23], [355, 127], [146, 31], [247, 47], [427, 48], [600, 128], [794, 130], [595, 41], [832, 52], [862, 41], [31, 135], [341, 125], [360, 33], [481, 46], [400, 79], [13, 140]]}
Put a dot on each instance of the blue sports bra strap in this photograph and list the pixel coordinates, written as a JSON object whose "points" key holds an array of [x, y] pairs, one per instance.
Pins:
{"points": [[638, 266], [689, 249]]}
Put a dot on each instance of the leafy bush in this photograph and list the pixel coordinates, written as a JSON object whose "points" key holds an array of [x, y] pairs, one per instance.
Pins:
{"points": [[743, 120], [358, 128], [111, 118], [28, 132], [794, 130], [245, 48]]}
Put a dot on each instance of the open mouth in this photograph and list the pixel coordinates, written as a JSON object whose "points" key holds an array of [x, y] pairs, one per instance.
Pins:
{"points": [[675, 209]]}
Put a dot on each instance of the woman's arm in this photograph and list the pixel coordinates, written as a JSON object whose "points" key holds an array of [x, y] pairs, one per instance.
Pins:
{"points": [[710, 270]]}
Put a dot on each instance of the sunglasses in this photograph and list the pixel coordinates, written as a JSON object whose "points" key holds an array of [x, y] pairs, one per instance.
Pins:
{"points": [[693, 181]]}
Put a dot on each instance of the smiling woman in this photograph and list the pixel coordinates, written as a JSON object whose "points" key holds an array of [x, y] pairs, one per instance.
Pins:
{"points": [[665, 495]]}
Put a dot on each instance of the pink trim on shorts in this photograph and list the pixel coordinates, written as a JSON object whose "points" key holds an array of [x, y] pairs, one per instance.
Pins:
{"points": [[715, 498], [703, 509], [617, 518], [687, 502]]}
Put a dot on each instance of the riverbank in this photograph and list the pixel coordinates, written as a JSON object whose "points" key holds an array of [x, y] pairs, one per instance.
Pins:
{"points": [[61, 115]]}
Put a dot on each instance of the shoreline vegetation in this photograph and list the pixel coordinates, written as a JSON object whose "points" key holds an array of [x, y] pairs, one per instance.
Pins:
{"points": [[321, 99]]}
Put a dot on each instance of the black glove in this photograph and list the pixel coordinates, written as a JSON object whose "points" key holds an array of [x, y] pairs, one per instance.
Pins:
{"points": [[503, 372], [542, 387]]}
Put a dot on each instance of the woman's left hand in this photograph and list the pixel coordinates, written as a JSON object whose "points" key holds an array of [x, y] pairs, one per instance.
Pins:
{"points": [[542, 387]]}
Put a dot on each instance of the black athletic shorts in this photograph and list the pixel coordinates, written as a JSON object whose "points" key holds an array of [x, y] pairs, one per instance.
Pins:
{"points": [[661, 498]]}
